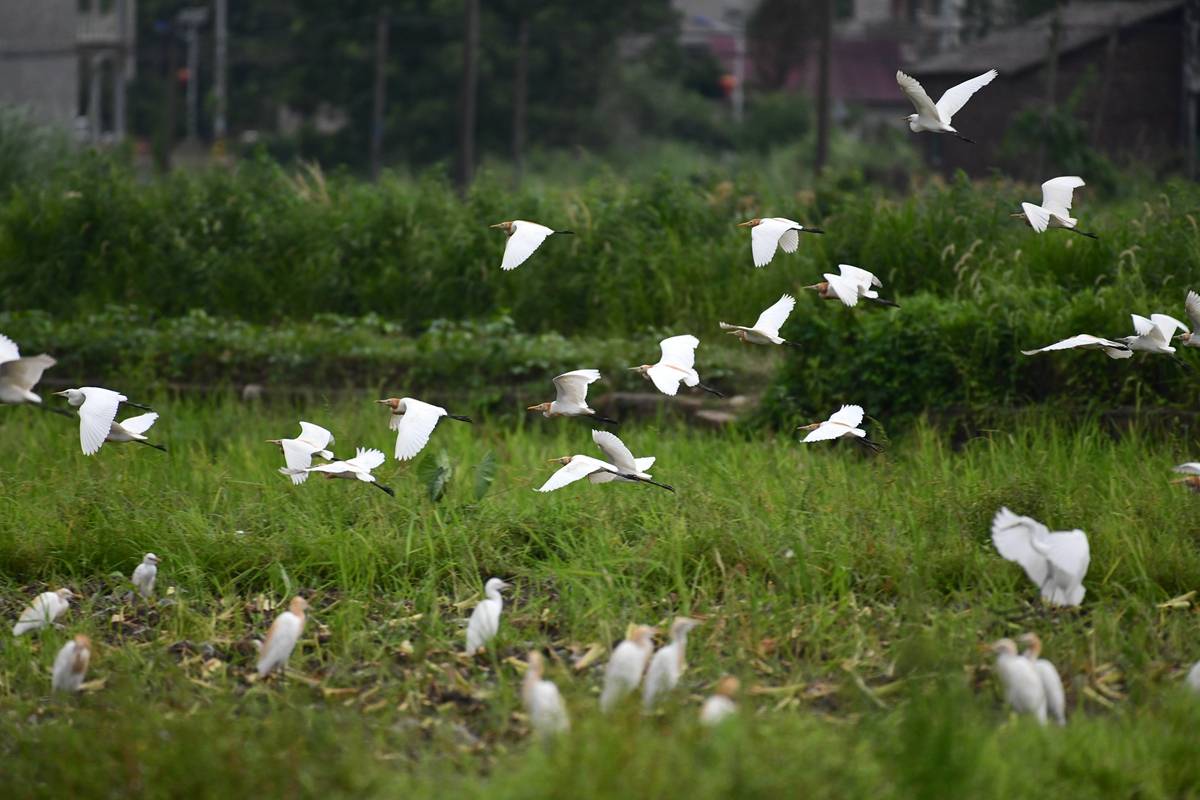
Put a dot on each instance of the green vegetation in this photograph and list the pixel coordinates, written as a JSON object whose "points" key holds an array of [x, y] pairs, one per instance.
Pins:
{"points": [[848, 592]]}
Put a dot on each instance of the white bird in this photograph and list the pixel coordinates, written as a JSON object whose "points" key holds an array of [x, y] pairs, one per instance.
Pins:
{"points": [[357, 468], [71, 663], [45, 608], [625, 668], [677, 363], [1085, 341], [937, 118], [1056, 562], [843, 422], [1023, 689], [1192, 305], [766, 329], [543, 703], [1055, 210], [19, 375], [767, 233], [850, 285], [570, 399], [1153, 335], [668, 663], [1052, 685], [298, 453], [97, 416], [145, 574], [133, 429], [1192, 471], [577, 467], [413, 422], [619, 456], [523, 238], [485, 619], [720, 703], [282, 637], [1193, 677]]}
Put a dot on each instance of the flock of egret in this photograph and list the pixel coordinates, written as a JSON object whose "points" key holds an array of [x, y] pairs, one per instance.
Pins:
{"points": [[1056, 562]]}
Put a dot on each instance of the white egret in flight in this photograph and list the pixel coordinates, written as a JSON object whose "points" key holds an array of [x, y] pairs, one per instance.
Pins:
{"points": [[720, 704], [1085, 341], [282, 637], [145, 574], [1056, 562], [97, 417], [298, 453], [133, 429], [71, 663], [1055, 210], [850, 285], [1023, 689], [766, 329], [413, 422], [1052, 685], [45, 608], [843, 422], [523, 238], [1192, 305], [936, 118], [484, 623], [676, 364], [668, 663], [19, 375], [1154, 335], [625, 668], [621, 466], [571, 396], [767, 233], [357, 468], [543, 703]]}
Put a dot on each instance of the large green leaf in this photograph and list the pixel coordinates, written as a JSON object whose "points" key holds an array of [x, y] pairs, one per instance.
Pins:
{"points": [[436, 471], [485, 474]]}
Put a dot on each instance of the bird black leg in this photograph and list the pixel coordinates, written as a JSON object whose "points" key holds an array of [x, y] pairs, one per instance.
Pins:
{"points": [[963, 138], [1084, 233], [598, 418], [874, 447], [382, 488], [786, 343], [646, 480], [461, 419], [151, 444], [811, 230], [568, 233], [881, 301], [137, 405], [710, 390]]}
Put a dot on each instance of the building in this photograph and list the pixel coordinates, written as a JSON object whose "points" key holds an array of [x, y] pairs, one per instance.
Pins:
{"points": [[1120, 67]]}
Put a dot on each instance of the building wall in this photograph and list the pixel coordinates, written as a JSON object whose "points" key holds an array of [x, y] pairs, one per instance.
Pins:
{"points": [[38, 61]]}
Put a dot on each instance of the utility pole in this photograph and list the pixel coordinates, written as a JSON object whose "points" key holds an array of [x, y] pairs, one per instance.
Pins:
{"points": [[171, 60], [465, 168], [821, 157], [520, 98], [380, 98], [1051, 81], [121, 70], [95, 77], [190, 19], [220, 67], [736, 21]]}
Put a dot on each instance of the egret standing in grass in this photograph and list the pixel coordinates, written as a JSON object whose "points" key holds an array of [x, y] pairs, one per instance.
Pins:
{"points": [[45, 608], [1055, 210], [97, 414], [298, 453], [571, 396], [668, 663], [523, 238], [357, 468], [625, 668], [676, 364], [145, 574], [19, 375], [849, 286], [937, 118], [282, 637], [1056, 562], [1023, 688], [766, 328], [843, 422], [70, 665], [720, 704], [543, 703], [413, 422], [484, 623], [1052, 685], [1085, 341], [768, 233]]}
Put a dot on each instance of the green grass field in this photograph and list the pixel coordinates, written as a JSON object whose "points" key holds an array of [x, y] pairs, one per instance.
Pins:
{"points": [[849, 593]]}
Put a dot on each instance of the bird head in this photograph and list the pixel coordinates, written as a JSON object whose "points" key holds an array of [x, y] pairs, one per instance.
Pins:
{"points": [[1191, 481], [1032, 641], [562, 460], [643, 369], [150, 558], [740, 334], [1184, 337], [275, 441], [392, 402], [821, 287], [728, 686], [642, 634], [74, 396], [83, 641], [65, 593], [812, 426], [507, 227], [750, 223], [298, 605], [542, 407], [534, 664], [495, 585], [682, 626], [1003, 647]]}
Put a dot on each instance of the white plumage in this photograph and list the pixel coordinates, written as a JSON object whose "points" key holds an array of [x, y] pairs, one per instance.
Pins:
{"points": [[570, 391], [485, 619], [282, 637], [133, 429], [937, 117], [1153, 334], [1056, 562], [1193, 677], [145, 574], [668, 664], [70, 665], [619, 456], [843, 422], [625, 668], [543, 703], [414, 421], [45, 608], [675, 365], [1023, 688], [1085, 341], [97, 410], [1052, 685], [1191, 304], [357, 468], [766, 329], [1055, 210], [720, 704], [524, 238], [19, 375], [298, 453], [769, 233]]}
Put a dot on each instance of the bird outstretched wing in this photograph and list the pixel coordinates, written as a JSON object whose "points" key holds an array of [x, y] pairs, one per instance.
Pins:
{"points": [[298, 457], [850, 416], [917, 95], [665, 379], [824, 433], [1192, 304], [315, 436], [846, 290], [366, 459], [957, 96], [571, 387], [526, 237], [771, 320], [789, 240], [416, 426], [1069, 553], [1167, 325], [768, 234], [8, 349], [1057, 193], [579, 467], [1012, 534], [679, 351], [140, 424], [26, 372], [615, 451], [860, 276], [1088, 342], [96, 417], [1039, 218], [1190, 468]]}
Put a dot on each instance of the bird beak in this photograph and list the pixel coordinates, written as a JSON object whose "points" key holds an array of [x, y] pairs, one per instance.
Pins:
{"points": [[634, 369], [746, 224], [384, 402], [497, 225], [1017, 214], [812, 286], [533, 408], [63, 393]]}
